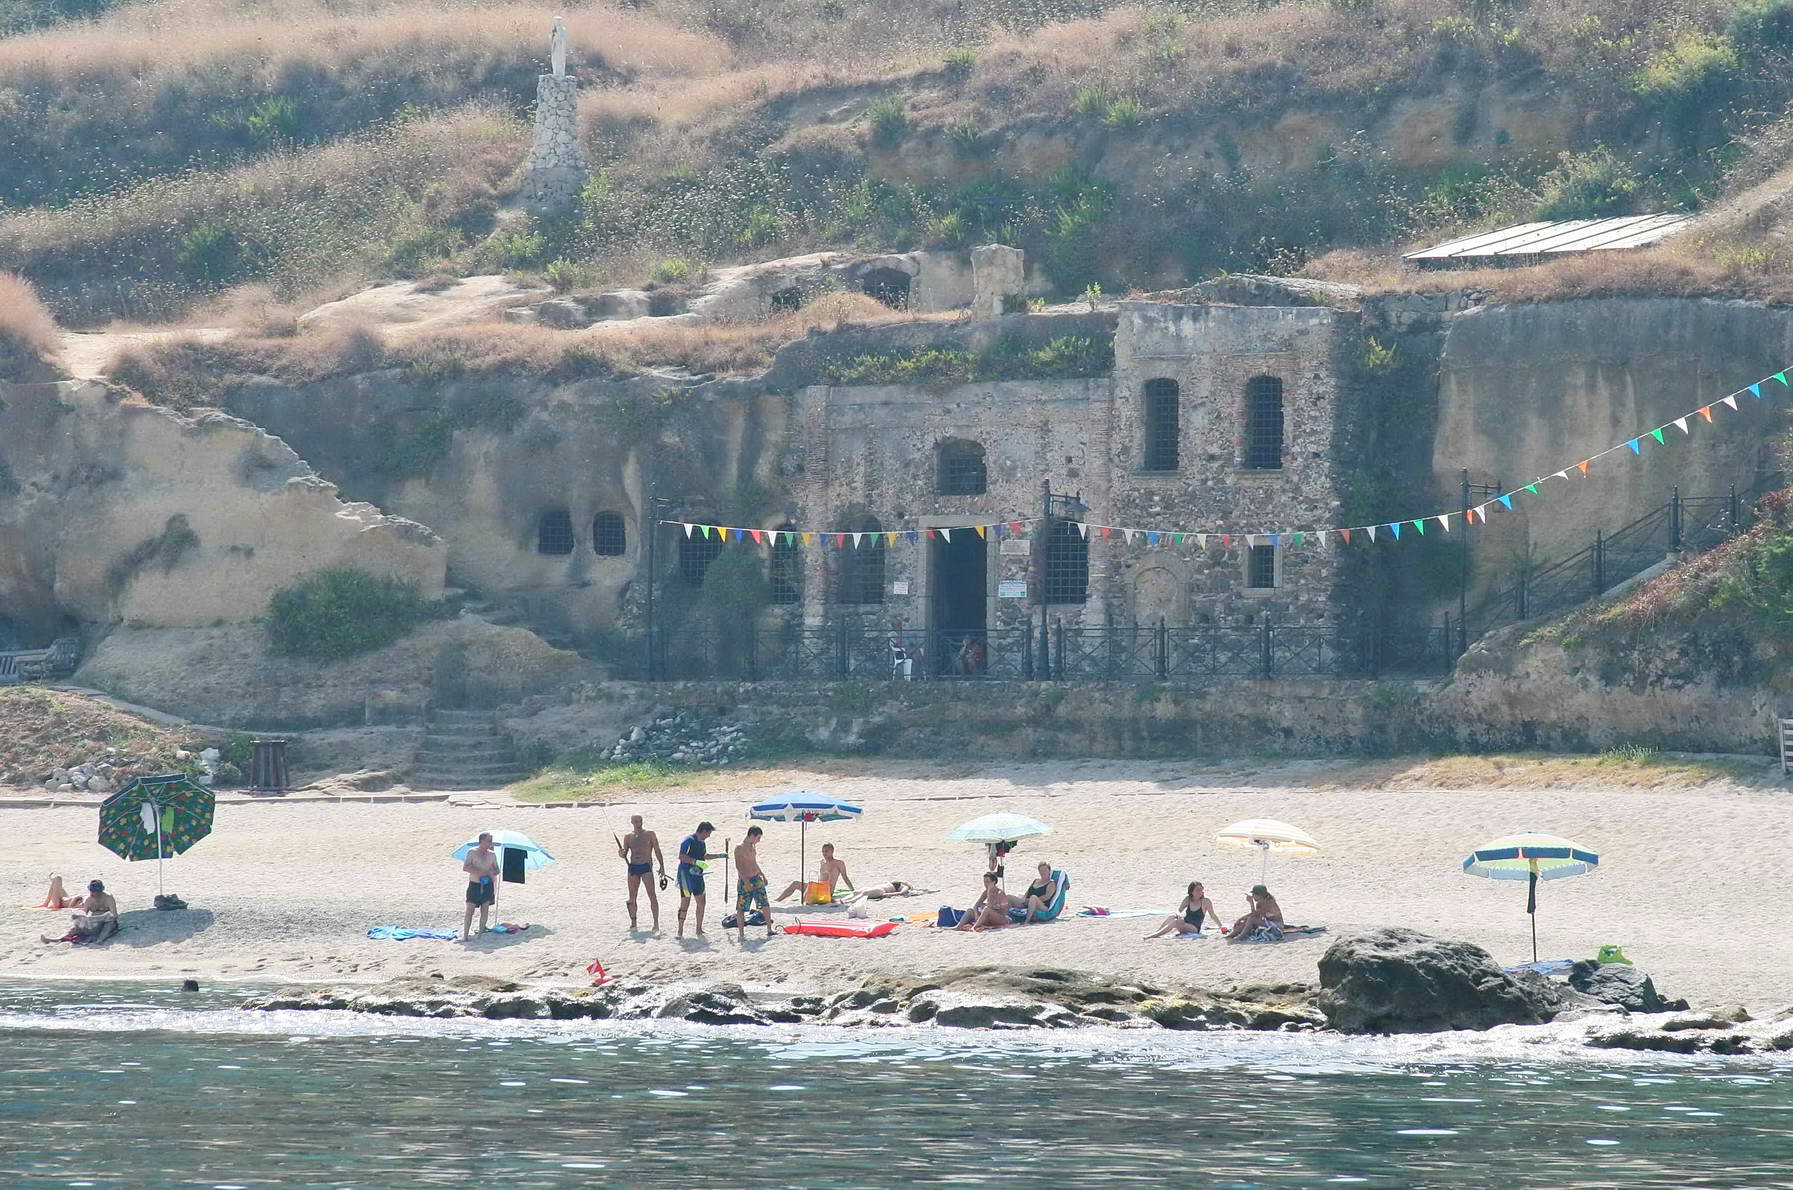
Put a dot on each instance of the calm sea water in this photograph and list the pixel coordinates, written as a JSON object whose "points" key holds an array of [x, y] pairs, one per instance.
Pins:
{"points": [[130, 1089]]}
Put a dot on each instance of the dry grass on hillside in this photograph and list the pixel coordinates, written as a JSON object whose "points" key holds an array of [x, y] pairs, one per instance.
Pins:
{"points": [[27, 331], [44, 729], [150, 43], [1618, 768]]}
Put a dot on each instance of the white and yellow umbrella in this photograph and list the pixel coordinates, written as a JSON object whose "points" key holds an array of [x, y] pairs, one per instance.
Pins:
{"points": [[1531, 858], [1267, 835]]}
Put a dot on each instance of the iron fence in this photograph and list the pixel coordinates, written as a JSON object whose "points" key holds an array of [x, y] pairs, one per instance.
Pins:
{"points": [[849, 650]]}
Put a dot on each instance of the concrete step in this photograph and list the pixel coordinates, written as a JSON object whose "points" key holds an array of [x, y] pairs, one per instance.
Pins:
{"points": [[465, 743], [457, 717], [434, 781], [483, 764]]}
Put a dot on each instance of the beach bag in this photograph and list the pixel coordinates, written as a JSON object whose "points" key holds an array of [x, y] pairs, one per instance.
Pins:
{"points": [[816, 893], [949, 917]]}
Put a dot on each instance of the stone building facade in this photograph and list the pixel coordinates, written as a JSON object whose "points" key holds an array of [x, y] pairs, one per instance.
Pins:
{"points": [[1216, 419]]}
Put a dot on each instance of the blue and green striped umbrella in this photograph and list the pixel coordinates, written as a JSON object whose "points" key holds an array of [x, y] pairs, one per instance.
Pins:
{"points": [[1531, 858]]}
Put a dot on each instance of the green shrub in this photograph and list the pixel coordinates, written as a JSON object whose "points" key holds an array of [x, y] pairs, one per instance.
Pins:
{"points": [[273, 120], [1090, 102], [1124, 113], [519, 249], [344, 612], [1758, 25], [672, 271], [960, 62], [1009, 358], [210, 252], [1586, 186], [941, 364], [420, 252], [1686, 81], [227, 773], [415, 453], [890, 123]]}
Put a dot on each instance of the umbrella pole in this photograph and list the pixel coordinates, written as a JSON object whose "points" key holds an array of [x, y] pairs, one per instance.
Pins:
{"points": [[160, 891], [802, 858], [1531, 906], [1264, 863]]}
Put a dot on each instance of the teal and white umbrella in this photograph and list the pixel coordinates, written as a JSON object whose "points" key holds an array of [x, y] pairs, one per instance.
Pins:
{"points": [[998, 833], [1531, 858]]}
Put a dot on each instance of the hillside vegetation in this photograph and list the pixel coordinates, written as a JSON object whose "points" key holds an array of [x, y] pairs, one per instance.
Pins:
{"points": [[162, 153]]}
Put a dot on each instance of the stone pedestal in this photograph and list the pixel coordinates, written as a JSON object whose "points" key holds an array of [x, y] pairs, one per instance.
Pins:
{"points": [[998, 275], [556, 170]]}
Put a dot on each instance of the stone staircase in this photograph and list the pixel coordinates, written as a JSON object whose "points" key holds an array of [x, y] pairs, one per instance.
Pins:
{"points": [[464, 750]]}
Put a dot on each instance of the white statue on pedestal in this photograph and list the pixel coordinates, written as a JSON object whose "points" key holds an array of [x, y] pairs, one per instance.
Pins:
{"points": [[557, 47]]}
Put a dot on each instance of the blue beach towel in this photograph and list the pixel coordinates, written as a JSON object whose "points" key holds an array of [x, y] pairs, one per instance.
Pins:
{"points": [[401, 934]]}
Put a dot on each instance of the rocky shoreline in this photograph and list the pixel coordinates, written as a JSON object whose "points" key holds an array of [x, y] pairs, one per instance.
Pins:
{"points": [[1385, 982]]}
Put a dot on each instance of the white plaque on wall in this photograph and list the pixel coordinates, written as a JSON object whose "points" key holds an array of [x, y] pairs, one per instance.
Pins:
{"points": [[1015, 547], [1012, 588], [900, 587]]}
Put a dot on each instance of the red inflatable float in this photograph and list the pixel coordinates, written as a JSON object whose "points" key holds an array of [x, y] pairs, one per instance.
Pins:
{"points": [[841, 929]]}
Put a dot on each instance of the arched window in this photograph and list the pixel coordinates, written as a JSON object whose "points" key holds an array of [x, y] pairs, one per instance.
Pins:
{"points": [[554, 532], [1161, 425], [1263, 423], [784, 571], [862, 567], [959, 468], [696, 552], [1067, 564], [609, 536], [890, 286]]}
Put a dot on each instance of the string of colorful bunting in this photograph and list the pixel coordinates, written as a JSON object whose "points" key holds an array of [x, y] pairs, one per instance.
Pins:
{"points": [[849, 538], [1281, 538], [1442, 520]]}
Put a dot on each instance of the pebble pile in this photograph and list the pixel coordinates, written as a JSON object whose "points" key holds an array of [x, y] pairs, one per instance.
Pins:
{"points": [[683, 737], [112, 769]]}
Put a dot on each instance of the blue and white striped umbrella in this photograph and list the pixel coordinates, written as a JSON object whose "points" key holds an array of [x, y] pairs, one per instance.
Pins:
{"points": [[804, 808], [1531, 858]]}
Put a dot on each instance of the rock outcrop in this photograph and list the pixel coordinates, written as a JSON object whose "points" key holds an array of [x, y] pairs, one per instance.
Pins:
{"points": [[1622, 985], [1401, 981]]}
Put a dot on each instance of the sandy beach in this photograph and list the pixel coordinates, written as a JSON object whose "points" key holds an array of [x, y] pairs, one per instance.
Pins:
{"points": [[284, 892]]}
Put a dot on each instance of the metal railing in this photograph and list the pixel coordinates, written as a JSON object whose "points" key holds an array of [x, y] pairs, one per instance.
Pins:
{"points": [[849, 650]]}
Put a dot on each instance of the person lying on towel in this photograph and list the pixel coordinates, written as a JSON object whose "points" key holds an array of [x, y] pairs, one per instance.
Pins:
{"points": [[97, 921], [1263, 923], [896, 888]]}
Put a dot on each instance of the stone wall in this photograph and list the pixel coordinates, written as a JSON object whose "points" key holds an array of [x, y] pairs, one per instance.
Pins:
{"points": [[1528, 390], [113, 511], [556, 170]]}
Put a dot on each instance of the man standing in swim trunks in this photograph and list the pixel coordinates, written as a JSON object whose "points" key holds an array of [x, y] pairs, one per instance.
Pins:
{"points": [[640, 848], [691, 877], [750, 887], [481, 867]]}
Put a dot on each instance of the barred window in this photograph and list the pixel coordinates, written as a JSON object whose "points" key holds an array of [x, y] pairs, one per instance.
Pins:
{"points": [[784, 571], [1260, 568], [1263, 423], [959, 468], [554, 532], [609, 536], [1161, 425], [862, 566], [696, 552], [1067, 564]]}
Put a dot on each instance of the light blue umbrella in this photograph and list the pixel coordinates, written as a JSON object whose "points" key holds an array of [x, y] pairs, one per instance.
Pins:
{"points": [[993, 830], [803, 809], [1531, 858], [535, 856]]}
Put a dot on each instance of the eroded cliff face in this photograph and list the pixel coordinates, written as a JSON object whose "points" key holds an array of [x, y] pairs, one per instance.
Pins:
{"points": [[1526, 390], [117, 512]]}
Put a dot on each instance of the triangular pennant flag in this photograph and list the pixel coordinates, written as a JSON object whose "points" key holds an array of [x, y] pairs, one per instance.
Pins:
{"points": [[1105, 530], [756, 535], [1082, 530], [1781, 376], [891, 538], [1681, 424], [1372, 530], [1583, 466], [1275, 540], [948, 534], [1151, 538], [1705, 412], [1756, 391], [1506, 501], [1001, 530], [1731, 400], [1176, 539], [1346, 534], [1395, 528], [1563, 474], [1251, 541], [1201, 541], [1635, 448], [688, 527], [1300, 539], [856, 538], [840, 541], [912, 536], [1657, 434], [1226, 541], [1421, 526], [1445, 520], [981, 530], [1532, 488], [1469, 516], [808, 538], [1015, 527], [738, 533], [1128, 534]]}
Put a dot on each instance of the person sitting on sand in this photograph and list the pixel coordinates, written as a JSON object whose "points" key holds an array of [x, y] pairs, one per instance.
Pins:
{"points": [[57, 897], [896, 888], [1189, 915], [1265, 916], [1040, 894], [991, 912], [833, 872], [97, 921]]}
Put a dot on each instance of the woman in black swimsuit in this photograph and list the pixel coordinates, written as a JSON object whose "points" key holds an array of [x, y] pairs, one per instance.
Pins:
{"points": [[1040, 894], [1188, 917]]}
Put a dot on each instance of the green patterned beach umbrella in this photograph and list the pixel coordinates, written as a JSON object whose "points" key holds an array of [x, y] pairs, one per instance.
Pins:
{"points": [[155, 818]]}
